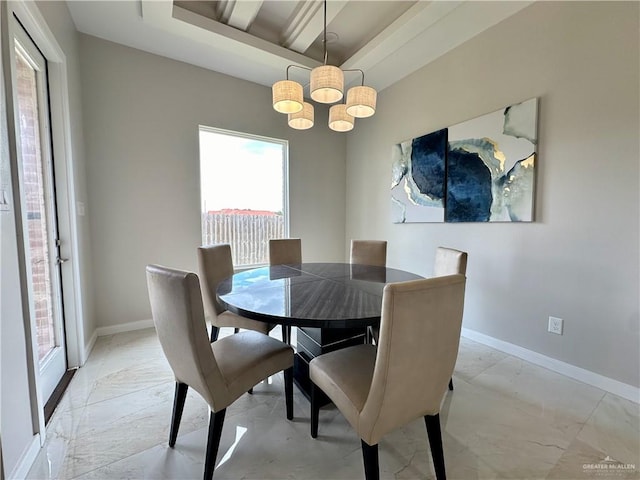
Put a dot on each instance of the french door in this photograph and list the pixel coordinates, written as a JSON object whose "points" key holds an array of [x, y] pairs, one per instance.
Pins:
{"points": [[39, 216]]}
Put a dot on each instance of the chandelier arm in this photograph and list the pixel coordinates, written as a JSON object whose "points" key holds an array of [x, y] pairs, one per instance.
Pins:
{"points": [[296, 66], [356, 70]]}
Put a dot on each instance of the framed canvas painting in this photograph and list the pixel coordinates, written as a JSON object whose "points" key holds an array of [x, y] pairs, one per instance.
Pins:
{"points": [[480, 170]]}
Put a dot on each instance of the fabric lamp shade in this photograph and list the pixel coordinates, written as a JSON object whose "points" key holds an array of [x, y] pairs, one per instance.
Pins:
{"points": [[326, 84], [339, 119], [361, 101], [303, 119], [287, 96]]}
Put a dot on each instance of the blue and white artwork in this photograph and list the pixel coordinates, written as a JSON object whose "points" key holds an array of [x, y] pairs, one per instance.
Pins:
{"points": [[481, 170]]}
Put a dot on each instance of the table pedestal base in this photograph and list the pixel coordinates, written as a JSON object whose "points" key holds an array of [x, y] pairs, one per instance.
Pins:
{"points": [[316, 341]]}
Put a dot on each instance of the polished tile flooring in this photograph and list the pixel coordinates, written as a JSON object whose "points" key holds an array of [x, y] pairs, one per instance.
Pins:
{"points": [[506, 419]]}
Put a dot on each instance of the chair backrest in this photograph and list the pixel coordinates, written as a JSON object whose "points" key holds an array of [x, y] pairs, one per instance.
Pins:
{"points": [[416, 355], [178, 315], [214, 264], [369, 252], [449, 262], [285, 251]]}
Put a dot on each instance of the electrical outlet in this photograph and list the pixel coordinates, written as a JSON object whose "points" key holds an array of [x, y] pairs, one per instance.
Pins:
{"points": [[555, 325]]}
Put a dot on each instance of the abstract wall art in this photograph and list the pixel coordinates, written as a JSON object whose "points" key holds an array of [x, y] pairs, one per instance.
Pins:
{"points": [[481, 170]]}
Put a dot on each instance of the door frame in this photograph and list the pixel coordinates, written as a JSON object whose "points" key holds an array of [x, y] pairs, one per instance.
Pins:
{"points": [[33, 22]]}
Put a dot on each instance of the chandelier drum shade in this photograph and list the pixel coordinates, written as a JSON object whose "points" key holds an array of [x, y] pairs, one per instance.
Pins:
{"points": [[339, 119], [361, 101], [326, 85], [287, 96], [303, 119]]}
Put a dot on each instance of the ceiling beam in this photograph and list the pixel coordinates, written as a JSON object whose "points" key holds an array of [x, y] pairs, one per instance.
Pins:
{"points": [[243, 13], [413, 22], [307, 23]]}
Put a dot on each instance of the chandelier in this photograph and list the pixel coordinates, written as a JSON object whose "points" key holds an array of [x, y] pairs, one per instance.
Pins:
{"points": [[326, 85]]}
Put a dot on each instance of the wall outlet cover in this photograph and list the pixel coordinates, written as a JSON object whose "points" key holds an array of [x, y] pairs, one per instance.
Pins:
{"points": [[555, 325]]}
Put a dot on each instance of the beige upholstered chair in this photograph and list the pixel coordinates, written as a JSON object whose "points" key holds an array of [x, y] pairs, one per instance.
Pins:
{"points": [[448, 262], [405, 377], [285, 251], [369, 252], [220, 371], [215, 264]]}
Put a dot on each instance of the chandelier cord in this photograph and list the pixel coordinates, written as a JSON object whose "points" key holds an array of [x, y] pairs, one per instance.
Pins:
{"points": [[324, 37]]}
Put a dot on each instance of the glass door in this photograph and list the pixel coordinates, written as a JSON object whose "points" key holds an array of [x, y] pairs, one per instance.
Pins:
{"points": [[37, 196]]}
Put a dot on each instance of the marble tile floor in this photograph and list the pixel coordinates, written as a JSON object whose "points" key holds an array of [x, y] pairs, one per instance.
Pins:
{"points": [[506, 419]]}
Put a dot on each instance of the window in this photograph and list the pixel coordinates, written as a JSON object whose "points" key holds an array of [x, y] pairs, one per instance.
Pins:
{"points": [[243, 189]]}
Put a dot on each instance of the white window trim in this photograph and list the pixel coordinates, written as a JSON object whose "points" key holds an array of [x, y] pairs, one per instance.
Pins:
{"points": [[285, 175]]}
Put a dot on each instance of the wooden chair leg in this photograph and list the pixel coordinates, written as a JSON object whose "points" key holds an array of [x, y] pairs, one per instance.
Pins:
{"points": [[214, 333], [370, 458], [451, 384], [216, 420], [435, 441], [288, 392], [315, 410], [286, 334], [178, 406]]}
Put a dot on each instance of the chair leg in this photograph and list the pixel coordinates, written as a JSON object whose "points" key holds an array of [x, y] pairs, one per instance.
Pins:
{"points": [[288, 392], [216, 420], [435, 441], [178, 406], [451, 384], [370, 457], [315, 410], [286, 334], [214, 333]]}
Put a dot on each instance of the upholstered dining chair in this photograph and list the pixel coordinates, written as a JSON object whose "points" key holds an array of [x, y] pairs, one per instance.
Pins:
{"points": [[285, 251], [369, 252], [405, 377], [448, 262], [220, 371], [215, 264]]}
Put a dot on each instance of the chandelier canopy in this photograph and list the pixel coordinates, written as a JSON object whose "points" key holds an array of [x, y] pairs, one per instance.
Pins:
{"points": [[326, 85]]}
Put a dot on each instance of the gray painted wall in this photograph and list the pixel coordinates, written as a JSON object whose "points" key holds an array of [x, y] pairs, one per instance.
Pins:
{"points": [[579, 260], [141, 116]]}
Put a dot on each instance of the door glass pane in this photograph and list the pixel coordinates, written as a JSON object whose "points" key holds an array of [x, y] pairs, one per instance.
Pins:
{"points": [[35, 203]]}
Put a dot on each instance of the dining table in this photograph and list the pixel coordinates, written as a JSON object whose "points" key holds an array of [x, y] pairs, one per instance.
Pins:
{"points": [[332, 304]]}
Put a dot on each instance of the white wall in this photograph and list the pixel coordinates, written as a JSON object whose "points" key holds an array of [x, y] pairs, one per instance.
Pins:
{"points": [[141, 116], [579, 260]]}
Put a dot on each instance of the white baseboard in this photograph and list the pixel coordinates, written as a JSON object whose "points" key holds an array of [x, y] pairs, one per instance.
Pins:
{"points": [[585, 376], [89, 347], [124, 327], [27, 459]]}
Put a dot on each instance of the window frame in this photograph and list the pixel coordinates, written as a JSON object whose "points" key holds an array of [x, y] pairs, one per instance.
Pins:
{"points": [[285, 177]]}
